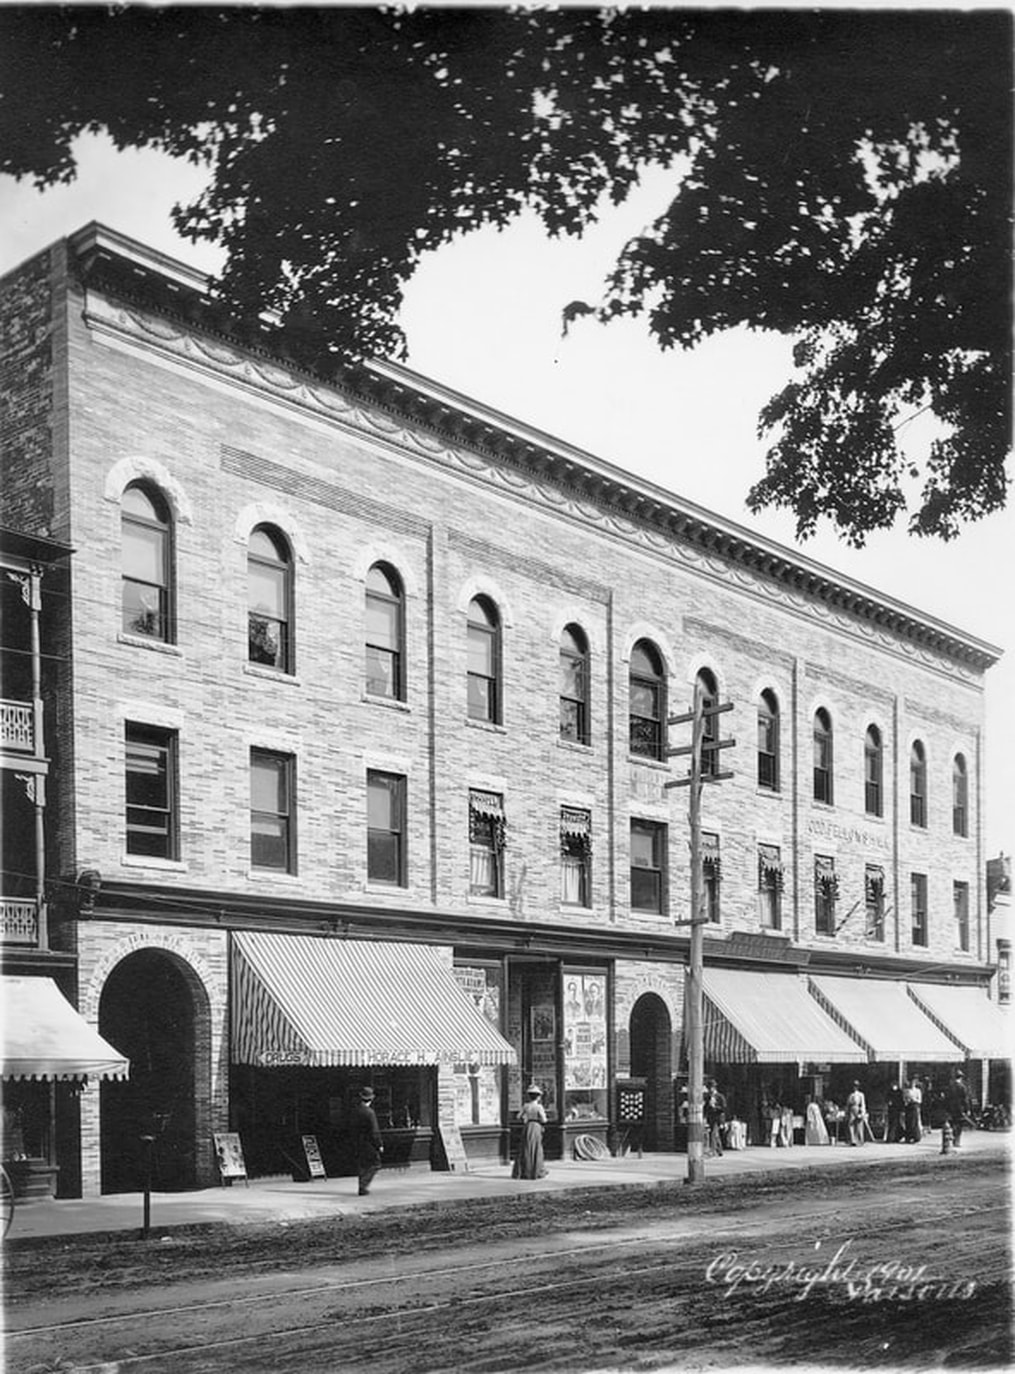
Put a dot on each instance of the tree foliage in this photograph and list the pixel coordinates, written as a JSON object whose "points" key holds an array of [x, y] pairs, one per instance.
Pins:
{"points": [[841, 177]]}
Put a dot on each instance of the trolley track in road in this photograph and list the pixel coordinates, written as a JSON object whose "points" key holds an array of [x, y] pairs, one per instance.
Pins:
{"points": [[809, 1223]]}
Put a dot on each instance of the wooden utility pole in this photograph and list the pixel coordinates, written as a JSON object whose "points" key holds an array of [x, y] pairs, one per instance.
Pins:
{"points": [[693, 1017]]}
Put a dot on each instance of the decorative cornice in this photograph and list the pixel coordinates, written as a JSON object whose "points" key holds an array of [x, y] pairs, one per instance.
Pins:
{"points": [[168, 313]]}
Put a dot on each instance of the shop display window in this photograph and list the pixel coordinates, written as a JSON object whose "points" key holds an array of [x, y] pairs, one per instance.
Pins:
{"points": [[583, 1004], [478, 1086]]}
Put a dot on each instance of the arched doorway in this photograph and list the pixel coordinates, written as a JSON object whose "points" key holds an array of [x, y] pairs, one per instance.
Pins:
{"points": [[652, 1059], [150, 1008]]}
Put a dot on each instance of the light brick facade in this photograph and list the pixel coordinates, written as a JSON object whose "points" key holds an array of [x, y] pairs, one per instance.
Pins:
{"points": [[386, 468]]}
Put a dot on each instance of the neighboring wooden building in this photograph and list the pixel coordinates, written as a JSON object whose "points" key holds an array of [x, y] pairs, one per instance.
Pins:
{"points": [[363, 744]]}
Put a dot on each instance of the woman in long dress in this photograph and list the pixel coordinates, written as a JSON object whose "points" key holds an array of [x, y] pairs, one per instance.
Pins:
{"points": [[815, 1130], [529, 1162]]}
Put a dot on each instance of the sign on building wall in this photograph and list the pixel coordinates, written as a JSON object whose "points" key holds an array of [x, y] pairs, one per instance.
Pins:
{"points": [[229, 1156]]}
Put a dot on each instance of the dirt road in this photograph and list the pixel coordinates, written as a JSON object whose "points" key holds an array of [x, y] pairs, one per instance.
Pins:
{"points": [[902, 1267]]}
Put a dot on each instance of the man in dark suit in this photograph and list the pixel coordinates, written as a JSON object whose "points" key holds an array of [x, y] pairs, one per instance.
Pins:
{"points": [[959, 1106], [367, 1133]]}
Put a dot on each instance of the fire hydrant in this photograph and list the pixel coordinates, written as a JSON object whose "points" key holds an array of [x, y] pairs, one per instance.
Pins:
{"points": [[947, 1138]]}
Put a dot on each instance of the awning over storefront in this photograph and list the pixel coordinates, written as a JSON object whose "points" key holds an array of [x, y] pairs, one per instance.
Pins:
{"points": [[302, 1000], [45, 1038], [885, 1019], [769, 1018], [967, 1016]]}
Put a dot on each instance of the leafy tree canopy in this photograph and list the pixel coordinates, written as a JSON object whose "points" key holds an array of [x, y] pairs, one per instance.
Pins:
{"points": [[842, 177]]}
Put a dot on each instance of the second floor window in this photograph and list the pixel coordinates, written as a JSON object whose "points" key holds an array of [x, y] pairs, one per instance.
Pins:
{"points": [[487, 841], [147, 565], [711, 876], [269, 607], [648, 866], [874, 895], [960, 797], [826, 894], [151, 792], [384, 602], [822, 757], [770, 884], [272, 811], [960, 899], [917, 785], [873, 766], [647, 701], [386, 828], [575, 856], [574, 686], [768, 742], [918, 902], [484, 661]]}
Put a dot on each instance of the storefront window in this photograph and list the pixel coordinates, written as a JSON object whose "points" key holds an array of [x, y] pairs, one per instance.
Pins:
{"points": [[584, 1033], [478, 1086]]}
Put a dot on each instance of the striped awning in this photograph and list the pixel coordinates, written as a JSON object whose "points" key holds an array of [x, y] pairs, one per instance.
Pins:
{"points": [[45, 1038], [885, 1019], [303, 1000], [769, 1018], [967, 1015]]}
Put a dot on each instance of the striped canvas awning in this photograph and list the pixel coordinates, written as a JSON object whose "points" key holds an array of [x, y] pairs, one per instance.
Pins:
{"points": [[885, 1019], [303, 1000], [967, 1016], [45, 1038], [769, 1018]]}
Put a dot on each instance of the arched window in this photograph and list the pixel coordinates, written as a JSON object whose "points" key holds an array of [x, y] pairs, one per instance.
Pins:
{"points": [[484, 661], [146, 533], [710, 758], [647, 704], [873, 767], [269, 607], [918, 785], [822, 756], [768, 741], [574, 685], [385, 602], [960, 797]]}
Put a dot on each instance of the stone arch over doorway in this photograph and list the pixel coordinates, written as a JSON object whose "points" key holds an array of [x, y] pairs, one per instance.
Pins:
{"points": [[156, 1009], [651, 1042]]}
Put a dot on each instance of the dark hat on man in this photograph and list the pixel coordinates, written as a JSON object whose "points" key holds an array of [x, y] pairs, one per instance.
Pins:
{"points": [[366, 1094], [959, 1073], [534, 1090]]}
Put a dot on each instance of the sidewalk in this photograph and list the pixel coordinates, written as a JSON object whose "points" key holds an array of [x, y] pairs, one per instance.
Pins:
{"points": [[281, 1201]]}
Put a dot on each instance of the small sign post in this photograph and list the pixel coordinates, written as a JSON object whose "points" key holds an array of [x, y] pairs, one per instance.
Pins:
{"points": [[229, 1157], [315, 1164]]}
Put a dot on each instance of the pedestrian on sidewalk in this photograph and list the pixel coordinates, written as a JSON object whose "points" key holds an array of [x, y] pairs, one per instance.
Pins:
{"points": [[715, 1116], [856, 1115], [914, 1108], [369, 1145], [959, 1106], [529, 1161]]}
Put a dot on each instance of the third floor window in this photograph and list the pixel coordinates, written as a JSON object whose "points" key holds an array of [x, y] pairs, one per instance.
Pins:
{"points": [[768, 741], [269, 606], [574, 686], [384, 633], [960, 797], [647, 701], [822, 757], [147, 565], [484, 668], [917, 785], [873, 758]]}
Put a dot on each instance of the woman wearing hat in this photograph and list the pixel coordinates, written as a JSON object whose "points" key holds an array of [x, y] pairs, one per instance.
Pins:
{"points": [[529, 1162], [369, 1146]]}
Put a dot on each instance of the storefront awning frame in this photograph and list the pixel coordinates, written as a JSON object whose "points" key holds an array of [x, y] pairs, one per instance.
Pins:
{"points": [[881, 1016], [45, 1039], [314, 1002], [767, 1017]]}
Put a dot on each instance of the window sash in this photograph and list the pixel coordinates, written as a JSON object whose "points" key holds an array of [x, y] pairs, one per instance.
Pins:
{"points": [[574, 874], [383, 672], [647, 866], [385, 828], [918, 900], [150, 799], [271, 812], [960, 897]]}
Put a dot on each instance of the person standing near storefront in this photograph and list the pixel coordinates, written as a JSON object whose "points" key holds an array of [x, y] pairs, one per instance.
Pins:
{"points": [[529, 1162], [856, 1115], [914, 1108], [896, 1115], [957, 1101], [369, 1146], [715, 1116]]}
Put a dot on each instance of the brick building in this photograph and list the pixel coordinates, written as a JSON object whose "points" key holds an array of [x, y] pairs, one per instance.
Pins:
{"points": [[362, 767]]}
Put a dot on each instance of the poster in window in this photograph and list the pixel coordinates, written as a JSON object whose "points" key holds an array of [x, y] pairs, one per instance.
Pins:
{"points": [[543, 1024], [478, 1086]]}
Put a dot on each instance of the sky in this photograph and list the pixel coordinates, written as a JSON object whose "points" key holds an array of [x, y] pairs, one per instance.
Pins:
{"points": [[482, 315]]}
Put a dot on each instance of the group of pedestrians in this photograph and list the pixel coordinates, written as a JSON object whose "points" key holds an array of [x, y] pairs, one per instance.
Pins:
{"points": [[905, 1122]]}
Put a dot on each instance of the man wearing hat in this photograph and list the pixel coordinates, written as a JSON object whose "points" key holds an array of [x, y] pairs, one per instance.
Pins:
{"points": [[959, 1106], [367, 1134]]}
